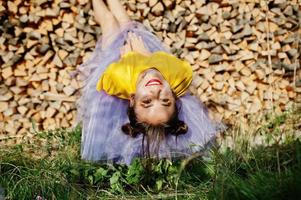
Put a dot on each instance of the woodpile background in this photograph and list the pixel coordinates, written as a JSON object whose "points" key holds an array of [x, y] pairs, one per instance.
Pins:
{"points": [[245, 55]]}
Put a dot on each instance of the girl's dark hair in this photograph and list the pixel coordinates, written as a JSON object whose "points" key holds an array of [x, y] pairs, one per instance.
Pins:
{"points": [[174, 126], [153, 134]]}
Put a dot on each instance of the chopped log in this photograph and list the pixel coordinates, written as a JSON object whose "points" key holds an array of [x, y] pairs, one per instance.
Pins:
{"points": [[22, 110], [3, 106], [157, 9], [50, 112], [7, 72]]}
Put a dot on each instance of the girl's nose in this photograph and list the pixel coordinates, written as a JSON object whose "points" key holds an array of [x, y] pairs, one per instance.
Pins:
{"points": [[156, 91]]}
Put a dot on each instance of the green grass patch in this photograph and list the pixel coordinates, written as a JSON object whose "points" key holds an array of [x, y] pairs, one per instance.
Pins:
{"points": [[49, 165]]}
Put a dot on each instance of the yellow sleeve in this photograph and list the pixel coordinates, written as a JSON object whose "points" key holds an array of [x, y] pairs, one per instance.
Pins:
{"points": [[118, 77], [176, 71]]}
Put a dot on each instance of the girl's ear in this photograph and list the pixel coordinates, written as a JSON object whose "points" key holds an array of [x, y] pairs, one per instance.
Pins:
{"points": [[132, 100]]}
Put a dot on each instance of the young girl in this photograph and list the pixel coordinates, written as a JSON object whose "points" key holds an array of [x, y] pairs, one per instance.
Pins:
{"points": [[135, 100]]}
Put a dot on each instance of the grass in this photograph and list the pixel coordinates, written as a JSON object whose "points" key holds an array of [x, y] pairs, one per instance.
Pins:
{"points": [[48, 165]]}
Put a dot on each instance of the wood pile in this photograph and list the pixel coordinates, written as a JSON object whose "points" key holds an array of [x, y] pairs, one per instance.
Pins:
{"points": [[245, 55], [41, 42]]}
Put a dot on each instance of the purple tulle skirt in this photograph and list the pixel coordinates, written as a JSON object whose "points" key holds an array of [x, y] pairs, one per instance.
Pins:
{"points": [[102, 115]]}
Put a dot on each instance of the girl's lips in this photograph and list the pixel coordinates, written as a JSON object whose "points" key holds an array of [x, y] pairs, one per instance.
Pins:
{"points": [[153, 82]]}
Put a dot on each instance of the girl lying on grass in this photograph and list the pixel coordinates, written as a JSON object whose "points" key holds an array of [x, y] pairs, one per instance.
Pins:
{"points": [[135, 101]]}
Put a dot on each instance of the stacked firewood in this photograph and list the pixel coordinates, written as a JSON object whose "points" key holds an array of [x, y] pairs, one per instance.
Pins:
{"points": [[245, 55], [41, 43]]}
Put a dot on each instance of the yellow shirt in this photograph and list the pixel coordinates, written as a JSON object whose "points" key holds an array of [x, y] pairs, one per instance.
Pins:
{"points": [[120, 78]]}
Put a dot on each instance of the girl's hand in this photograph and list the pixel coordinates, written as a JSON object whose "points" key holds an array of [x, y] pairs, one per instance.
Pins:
{"points": [[137, 44], [125, 48]]}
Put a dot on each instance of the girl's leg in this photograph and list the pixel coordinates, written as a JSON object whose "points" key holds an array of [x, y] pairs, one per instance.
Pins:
{"points": [[107, 21], [119, 12]]}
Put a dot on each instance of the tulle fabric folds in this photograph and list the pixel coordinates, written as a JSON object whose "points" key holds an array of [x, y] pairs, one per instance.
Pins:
{"points": [[102, 115]]}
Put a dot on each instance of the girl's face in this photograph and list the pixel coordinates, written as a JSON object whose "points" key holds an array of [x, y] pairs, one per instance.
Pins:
{"points": [[154, 102]]}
